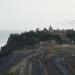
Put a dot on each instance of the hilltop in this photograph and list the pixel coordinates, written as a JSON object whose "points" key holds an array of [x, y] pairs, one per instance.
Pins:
{"points": [[33, 38], [31, 45]]}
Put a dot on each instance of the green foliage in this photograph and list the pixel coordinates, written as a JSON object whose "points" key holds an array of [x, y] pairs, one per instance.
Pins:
{"points": [[57, 38], [10, 73], [56, 51], [71, 35], [27, 39]]}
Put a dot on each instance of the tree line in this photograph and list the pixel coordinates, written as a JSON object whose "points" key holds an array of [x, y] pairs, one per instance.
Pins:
{"points": [[31, 39]]}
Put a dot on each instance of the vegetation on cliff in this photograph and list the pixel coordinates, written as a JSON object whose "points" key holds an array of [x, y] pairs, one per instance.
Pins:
{"points": [[27, 39], [31, 39]]}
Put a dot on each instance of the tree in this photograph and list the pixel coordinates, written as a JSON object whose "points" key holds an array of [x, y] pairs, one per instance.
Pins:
{"points": [[71, 35]]}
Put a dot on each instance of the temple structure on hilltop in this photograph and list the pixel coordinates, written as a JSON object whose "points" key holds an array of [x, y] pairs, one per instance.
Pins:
{"points": [[62, 33], [51, 29], [57, 31]]}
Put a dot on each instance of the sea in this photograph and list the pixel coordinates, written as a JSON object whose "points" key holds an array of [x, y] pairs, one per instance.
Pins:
{"points": [[4, 35]]}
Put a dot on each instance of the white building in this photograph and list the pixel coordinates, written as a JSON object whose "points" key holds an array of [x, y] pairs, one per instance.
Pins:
{"points": [[51, 29]]}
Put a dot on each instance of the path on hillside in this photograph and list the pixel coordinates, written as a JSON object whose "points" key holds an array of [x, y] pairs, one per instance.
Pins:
{"points": [[37, 64]]}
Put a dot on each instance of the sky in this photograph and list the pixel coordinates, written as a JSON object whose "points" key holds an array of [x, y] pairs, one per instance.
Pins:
{"points": [[31, 14]]}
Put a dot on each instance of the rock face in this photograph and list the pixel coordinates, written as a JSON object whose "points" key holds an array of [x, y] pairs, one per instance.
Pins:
{"points": [[37, 62], [8, 62], [71, 63]]}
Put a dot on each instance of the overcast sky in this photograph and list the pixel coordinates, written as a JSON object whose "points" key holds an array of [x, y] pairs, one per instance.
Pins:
{"points": [[30, 14]]}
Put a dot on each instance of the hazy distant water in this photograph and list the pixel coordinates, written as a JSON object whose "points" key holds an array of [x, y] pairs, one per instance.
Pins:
{"points": [[4, 36]]}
